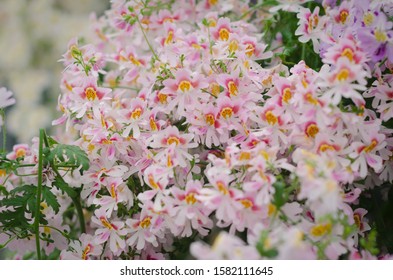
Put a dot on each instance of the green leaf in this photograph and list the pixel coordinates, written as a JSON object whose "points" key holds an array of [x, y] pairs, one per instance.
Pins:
{"points": [[50, 199], [63, 186], [70, 154]]}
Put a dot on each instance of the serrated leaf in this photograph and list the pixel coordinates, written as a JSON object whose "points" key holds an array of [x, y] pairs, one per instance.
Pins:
{"points": [[70, 154], [63, 186], [50, 199]]}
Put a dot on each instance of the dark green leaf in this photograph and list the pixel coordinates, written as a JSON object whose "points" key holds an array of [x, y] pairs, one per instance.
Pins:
{"points": [[50, 199], [69, 154], [63, 186]]}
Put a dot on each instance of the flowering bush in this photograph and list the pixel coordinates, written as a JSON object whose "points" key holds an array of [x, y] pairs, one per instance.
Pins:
{"points": [[265, 127]]}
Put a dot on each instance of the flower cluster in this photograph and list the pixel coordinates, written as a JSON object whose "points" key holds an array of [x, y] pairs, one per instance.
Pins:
{"points": [[186, 133]]}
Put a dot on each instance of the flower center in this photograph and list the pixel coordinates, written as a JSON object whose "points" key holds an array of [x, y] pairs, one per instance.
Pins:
{"points": [[136, 114], [343, 75], [146, 222], [312, 130], [134, 60], [105, 223], [221, 187], [326, 147], [233, 46], [113, 191], [169, 38], [320, 230], [173, 139], [286, 95], [370, 147], [190, 198], [86, 251], [226, 112], [162, 98], [250, 50], [368, 19], [356, 218], [343, 16], [20, 153], [153, 124], [215, 89], [2, 172], [90, 94], [245, 156], [232, 88], [152, 182], [224, 34], [246, 203], [271, 118], [184, 86], [348, 53], [209, 118], [380, 36]]}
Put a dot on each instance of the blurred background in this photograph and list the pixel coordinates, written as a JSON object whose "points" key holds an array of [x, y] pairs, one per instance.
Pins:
{"points": [[33, 36]]}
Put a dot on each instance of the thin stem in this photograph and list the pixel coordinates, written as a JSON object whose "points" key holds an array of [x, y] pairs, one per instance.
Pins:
{"points": [[75, 200], [2, 113], [147, 40], [38, 201], [303, 56]]}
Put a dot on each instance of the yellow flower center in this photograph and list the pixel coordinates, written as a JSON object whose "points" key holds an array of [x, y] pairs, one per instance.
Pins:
{"points": [[348, 53], [271, 118], [312, 130], [232, 88], [162, 98], [152, 182], [86, 251], [224, 34], [368, 19], [212, 2], [169, 38], [380, 36], [209, 118], [105, 223], [173, 139], [136, 114], [2, 172], [113, 191], [343, 16], [134, 60], [245, 156], [286, 95], [215, 89], [321, 229], [90, 94], [326, 147], [356, 218], [145, 223], [20, 153], [184, 86], [250, 50], [226, 112], [271, 209], [190, 198], [153, 125], [233, 46], [370, 147], [221, 187], [342, 75], [246, 203], [311, 99]]}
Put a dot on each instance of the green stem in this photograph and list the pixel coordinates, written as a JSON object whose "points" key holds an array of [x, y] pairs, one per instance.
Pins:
{"points": [[4, 131], [38, 201], [147, 40], [75, 200], [303, 57]]}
